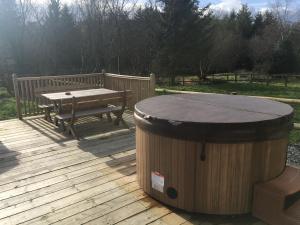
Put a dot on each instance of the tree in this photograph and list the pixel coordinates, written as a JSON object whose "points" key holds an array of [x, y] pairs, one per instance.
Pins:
{"points": [[180, 28], [62, 39], [258, 24], [245, 31], [205, 45], [146, 23], [263, 44], [52, 31], [284, 58], [244, 22], [170, 37], [10, 35], [69, 53], [223, 53], [295, 39]]}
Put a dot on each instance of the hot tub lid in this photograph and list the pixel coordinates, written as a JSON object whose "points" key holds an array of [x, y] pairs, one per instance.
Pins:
{"points": [[214, 117]]}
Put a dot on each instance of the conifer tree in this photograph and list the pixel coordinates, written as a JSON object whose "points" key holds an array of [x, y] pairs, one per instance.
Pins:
{"points": [[180, 28]]}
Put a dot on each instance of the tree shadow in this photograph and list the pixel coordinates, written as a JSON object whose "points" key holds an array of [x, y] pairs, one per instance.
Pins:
{"points": [[97, 136], [94, 127], [102, 138], [8, 158], [47, 129]]}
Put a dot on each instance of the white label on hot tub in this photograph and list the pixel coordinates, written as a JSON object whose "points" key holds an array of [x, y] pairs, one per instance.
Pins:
{"points": [[158, 181]]}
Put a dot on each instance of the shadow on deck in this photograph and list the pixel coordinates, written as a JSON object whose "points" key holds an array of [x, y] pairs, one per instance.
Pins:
{"points": [[47, 177], [8, 158]]}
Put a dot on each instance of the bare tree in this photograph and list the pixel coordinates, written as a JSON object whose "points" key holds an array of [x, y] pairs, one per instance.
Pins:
{"points": [[282, 11]]}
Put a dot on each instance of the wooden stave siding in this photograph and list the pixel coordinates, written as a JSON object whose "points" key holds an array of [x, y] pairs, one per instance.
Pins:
{"points": [[255, 163], [27, 101]]}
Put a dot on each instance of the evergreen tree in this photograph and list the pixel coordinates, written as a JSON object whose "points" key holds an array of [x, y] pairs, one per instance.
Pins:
{"points": [[10, 34], [245, 31], [284, 59], [230, 21], [145, 45], [244, 22], [180, 29], [68, 40], [52, 30], [62, 39], [258, 25], [269, 18]]}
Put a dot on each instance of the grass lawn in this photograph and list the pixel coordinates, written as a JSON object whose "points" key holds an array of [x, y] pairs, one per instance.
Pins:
{"points": [[245, 88], [7, 105], [255, 89]]}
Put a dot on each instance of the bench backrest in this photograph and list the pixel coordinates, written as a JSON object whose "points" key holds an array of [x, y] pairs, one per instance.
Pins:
{"points": [[97, 101]]}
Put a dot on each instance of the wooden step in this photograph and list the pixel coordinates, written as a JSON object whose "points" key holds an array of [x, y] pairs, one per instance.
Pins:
{"points": [[293, 212], [277, 202]]}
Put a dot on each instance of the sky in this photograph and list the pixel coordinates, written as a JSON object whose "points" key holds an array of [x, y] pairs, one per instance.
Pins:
{"points": [[256, 5], [223, 5]]}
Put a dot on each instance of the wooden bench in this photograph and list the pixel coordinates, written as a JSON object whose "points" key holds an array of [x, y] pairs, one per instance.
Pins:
{"points": [[277, 202], [93, 106], [48, 107]]}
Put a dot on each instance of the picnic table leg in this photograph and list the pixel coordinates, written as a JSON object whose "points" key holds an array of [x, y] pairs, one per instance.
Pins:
{"points": [[73, 132], [119, 119], [108, 117], [47, 115], [62, 125], [56, 110], [124, 123], [55, 122]]}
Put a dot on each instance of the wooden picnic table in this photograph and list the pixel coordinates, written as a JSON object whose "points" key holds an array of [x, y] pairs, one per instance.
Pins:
{"points": [[66, 110], [59, 98], [68, 95]]}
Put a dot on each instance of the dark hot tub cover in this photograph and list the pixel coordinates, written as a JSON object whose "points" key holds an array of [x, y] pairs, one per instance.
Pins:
{"points": [[214, 117]]}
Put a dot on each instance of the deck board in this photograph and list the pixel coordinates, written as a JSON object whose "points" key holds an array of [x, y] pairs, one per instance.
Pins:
{"points": [[47, 177]]}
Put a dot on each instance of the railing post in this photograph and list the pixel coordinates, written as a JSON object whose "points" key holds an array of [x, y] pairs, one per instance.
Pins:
{"points": [[152, 84], [286, 80], [268, 79], [103, 77], [17, 96]]}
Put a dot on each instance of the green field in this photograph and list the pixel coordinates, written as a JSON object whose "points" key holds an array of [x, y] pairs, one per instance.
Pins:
{"points": [[245, 88], [7, 105]]}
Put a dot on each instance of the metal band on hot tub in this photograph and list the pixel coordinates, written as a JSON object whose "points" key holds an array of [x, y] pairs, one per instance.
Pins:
{"points": [[215, 132]]}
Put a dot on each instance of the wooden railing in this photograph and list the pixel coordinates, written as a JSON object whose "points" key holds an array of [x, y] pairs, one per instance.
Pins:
{"points": [[28, 89], [142, 87]]}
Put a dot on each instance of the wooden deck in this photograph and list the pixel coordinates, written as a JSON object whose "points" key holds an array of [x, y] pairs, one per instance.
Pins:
{"points": [[47, 177]]}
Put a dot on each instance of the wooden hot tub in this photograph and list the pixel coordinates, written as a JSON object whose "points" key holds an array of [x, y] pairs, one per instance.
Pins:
{"points": [[204, 152]]}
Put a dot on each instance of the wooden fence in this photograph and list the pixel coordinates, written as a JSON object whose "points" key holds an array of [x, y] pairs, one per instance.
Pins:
{"points": [[231, 77], [27, 89], [142, 87], [252, 77]]}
